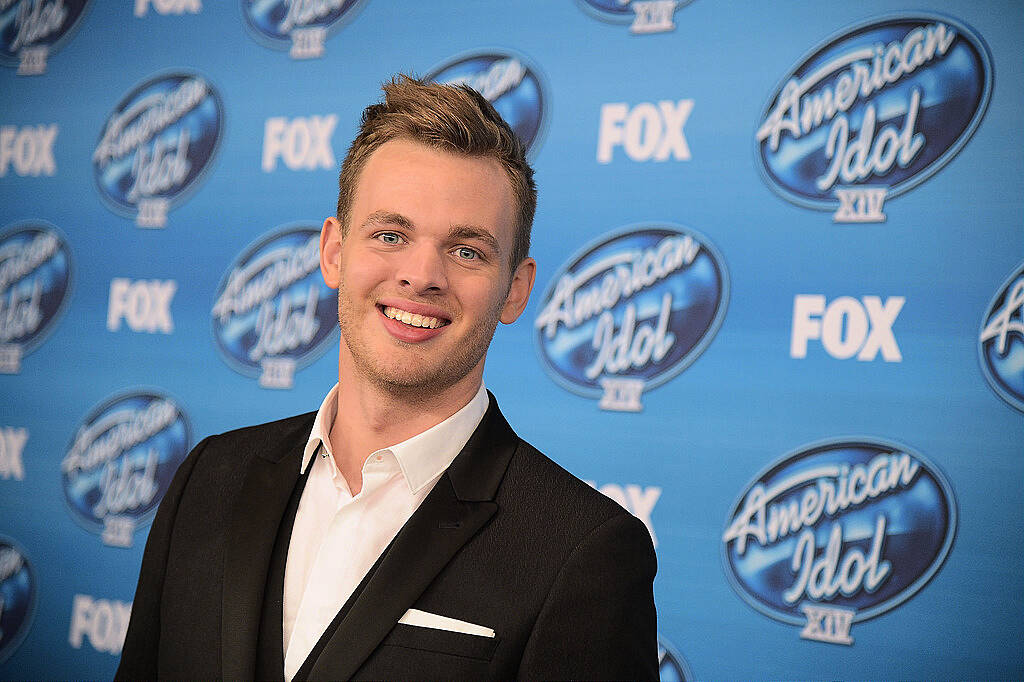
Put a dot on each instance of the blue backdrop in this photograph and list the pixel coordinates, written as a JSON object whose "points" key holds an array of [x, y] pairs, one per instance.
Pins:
{"points": [[778, 313]]}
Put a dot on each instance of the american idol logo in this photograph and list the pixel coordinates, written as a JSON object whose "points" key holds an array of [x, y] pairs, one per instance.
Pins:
{"points": [[121, 461], [273, 312], [507, 81], [631, 311], [643, 16], [157, 145], [301, 25], [839, 532], [35, 287], [1001, 340], [17, 596], [874, 112], [31, 29], [672, 666]]}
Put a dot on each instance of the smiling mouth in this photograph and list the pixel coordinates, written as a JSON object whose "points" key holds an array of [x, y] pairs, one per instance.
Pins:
{"points": [[414, 319]]}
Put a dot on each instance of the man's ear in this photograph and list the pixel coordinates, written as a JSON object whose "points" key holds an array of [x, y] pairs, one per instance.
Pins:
{"points": [[519, 291], [330, 252]]}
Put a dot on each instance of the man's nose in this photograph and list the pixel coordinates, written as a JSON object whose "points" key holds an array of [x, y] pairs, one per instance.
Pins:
{"points": [[423, 269]]}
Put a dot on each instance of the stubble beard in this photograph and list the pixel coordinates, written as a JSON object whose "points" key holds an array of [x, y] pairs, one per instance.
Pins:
{"points": [[411, 379]]}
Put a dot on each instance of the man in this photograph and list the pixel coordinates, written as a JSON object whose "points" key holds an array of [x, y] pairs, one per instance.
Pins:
{"points": [[403, 530]]}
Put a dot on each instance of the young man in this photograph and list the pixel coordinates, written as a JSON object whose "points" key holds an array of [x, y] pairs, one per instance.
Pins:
{"points": [[403, 530]]}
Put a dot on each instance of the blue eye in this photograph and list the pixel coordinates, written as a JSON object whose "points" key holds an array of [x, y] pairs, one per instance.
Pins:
{"points": [[466, 253], [389, 238]]}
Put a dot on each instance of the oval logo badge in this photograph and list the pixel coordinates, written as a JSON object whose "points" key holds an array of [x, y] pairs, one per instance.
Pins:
{"points": [[874, 112], [507, 81], [839, 532], [17, 595], [273, 312], [1001, 340], [35, 287], [157, 145], [631, 311], [643, 16], [121, 461], [302, 27], [32, 29]]}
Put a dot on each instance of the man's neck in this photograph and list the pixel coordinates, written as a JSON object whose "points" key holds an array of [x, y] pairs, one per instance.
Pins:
{"points": [[370, 418]]}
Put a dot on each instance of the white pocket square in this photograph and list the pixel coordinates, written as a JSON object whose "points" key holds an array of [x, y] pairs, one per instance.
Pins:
{"points": [[422, 619]]}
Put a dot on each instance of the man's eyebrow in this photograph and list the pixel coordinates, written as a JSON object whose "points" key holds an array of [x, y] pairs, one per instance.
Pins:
{"points": [[387, 218], [467, 232], [455, 233]]}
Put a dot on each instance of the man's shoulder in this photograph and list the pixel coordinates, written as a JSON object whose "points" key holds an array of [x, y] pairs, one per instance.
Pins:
{"points": [[220, 462], [548, 518], [531, 482], [273, 440], [538, 485], [269, 434]]}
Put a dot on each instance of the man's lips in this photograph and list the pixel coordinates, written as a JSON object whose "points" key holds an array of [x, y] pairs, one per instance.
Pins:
{"points": [[414, 319], [412, 323]]}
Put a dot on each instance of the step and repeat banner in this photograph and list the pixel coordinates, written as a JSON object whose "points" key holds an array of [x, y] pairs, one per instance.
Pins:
{"points": [[779, 313]]}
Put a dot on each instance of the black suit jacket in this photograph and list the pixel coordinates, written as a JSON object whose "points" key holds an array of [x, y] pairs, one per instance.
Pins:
{"points": [[507, 539]]}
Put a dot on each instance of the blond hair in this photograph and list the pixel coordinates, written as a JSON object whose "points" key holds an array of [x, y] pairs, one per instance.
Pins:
{"points": [[453, 118]]}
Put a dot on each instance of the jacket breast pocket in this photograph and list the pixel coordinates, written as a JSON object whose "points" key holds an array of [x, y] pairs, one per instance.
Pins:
{"points": [[441, 641]]}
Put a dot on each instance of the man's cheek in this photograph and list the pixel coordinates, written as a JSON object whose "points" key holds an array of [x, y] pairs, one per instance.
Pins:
{"points": [[363, 271]]}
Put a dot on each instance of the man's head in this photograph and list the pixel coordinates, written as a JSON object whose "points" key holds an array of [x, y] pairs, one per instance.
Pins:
{"points": [[428, 251], [454, 119]]}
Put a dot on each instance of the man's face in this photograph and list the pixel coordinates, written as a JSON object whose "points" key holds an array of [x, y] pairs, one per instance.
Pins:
{"points": [[422, 272]]}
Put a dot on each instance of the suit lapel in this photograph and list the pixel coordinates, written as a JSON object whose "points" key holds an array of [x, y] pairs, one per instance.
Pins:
{"points": [[461, 503], [261, 503]]}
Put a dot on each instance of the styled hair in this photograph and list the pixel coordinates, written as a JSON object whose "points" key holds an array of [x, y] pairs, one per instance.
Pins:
{"points": [[452, 118]]}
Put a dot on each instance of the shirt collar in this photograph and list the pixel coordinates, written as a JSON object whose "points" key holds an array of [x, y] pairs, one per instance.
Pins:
{"points": [[319, 435], [421, 458]]}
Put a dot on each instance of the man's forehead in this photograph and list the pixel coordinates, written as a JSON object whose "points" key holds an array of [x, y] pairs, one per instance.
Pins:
{"points": [[402, 159]]}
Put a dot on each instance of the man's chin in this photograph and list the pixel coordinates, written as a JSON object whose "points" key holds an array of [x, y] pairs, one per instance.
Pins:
{"points": [[411, 381]]}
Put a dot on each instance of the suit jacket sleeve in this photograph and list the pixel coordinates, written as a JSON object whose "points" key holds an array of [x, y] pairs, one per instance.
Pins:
{"points": [[599, 621], [139, 656]]}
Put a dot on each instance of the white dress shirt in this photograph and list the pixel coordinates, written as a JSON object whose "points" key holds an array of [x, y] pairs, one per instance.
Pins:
{"points": [[337, 537]]}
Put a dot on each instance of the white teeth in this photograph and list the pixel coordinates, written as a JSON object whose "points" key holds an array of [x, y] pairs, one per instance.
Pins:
{"points": [[412, 319]]}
